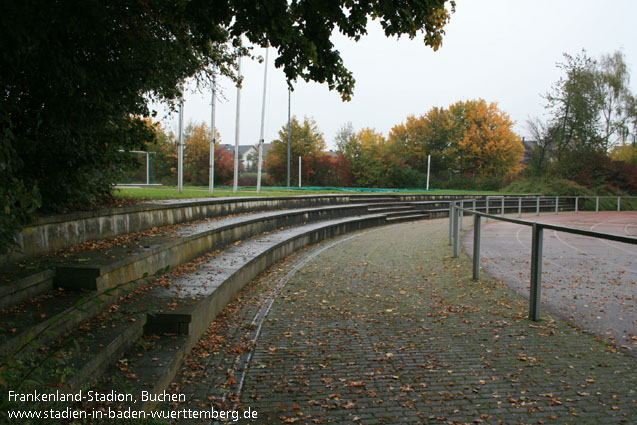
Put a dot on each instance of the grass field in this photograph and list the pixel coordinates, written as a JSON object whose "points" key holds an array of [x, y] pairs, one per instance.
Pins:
{"points": [[170, 192]]}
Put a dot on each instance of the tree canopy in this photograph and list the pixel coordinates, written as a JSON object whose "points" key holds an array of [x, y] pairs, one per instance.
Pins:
{"points": [[306, 141], [469, 137]]}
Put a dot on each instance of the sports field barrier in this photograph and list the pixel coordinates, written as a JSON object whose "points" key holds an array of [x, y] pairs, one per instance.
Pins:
{"points": [[457, 210]]}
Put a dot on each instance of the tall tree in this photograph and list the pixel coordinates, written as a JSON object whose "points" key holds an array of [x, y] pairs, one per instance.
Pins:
{"points": [[435, 133], [618, 103], [306, 141], [196, 156], [575, 103], [488, 147], [592, 110]]}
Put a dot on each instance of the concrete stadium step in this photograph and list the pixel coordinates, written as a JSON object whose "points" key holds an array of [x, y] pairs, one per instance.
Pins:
{"points": [[110, 266], [434, 209], [399, 219], [427, 205], [183, 311], [396, 207], [383, 205], [183, 243], [24, 284], [96, 278], [52, 233], [372, 199], [39, 321], [404, 212], [89, 350]]}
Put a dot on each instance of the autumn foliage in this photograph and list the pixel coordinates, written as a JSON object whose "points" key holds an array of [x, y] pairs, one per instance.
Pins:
{"points": [[318, 168], [470, 138], [196, 157]]}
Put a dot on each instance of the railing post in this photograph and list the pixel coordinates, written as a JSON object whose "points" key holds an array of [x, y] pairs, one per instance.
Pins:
{"points": [[576, 203], [147, 168], [461, 214], [476, 246], [537, 205], [456, 232], [474, 205], [502, 212], [519, 206], [486, 207], [597, 204], [557, 201], [619, 200], [450, 221], [536, 272]]}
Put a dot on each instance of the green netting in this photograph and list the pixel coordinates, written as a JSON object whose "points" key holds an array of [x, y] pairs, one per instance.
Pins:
{"points": [[331, 188]]}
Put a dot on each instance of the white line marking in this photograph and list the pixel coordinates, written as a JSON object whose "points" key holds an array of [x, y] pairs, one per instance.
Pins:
{"points": [[613, 245]]}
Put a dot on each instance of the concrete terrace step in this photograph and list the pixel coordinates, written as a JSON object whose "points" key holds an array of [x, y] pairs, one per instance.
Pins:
{"points": [[398, 219], [89, 350], [183, 311], [96, 273], [152, 253], [378, 200], [28, 284], [189, 304], [52, 233], [405, 212], [387, 205], [38, 321], [399, 207]]}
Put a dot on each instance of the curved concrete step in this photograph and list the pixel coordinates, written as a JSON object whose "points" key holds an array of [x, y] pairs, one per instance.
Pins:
{"points": [[29, 284], [405, 212], [89, 350], [63, 231], [95, 270], [389, 207], [43, 319], [108, 278], [398, 219], [183, 311]]}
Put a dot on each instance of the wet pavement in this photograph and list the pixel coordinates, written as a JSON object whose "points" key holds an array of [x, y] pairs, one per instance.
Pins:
{"points": [[588, 281], [384, 327]]}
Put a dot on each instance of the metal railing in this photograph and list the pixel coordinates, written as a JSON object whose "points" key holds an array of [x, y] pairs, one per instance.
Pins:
{"points": [[456, 213]]}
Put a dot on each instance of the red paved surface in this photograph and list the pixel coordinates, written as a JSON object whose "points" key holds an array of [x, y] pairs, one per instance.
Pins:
{"points": [[589, 281]]}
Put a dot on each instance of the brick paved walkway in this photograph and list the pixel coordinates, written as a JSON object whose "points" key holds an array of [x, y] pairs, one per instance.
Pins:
{"points": [[386, 327]]}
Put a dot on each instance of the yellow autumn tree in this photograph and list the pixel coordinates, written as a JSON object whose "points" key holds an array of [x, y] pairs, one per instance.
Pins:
{"points": [[197, 156], [435, 133], [488, 146]]}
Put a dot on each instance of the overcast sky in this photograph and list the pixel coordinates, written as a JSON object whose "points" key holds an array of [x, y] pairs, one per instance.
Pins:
{"points": [[502, 51]]}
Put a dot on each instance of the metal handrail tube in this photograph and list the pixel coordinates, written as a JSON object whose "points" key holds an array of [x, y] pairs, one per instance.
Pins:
{"points": [[455, 211], [574, 230]]}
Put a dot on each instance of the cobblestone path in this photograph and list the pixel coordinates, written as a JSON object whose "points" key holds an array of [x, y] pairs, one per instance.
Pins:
{"points": [[384, 328]]}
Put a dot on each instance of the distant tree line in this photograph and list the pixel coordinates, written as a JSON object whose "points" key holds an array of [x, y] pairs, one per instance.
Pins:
{"points": [[470, 141]]}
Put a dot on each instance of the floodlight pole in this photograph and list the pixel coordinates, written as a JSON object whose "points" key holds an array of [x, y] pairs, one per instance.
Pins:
{"points": [[180, 149], [428, 165], [211, 173], [265, 81], [299, 171], [289, 132], [147, 168], [235, 184]]}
